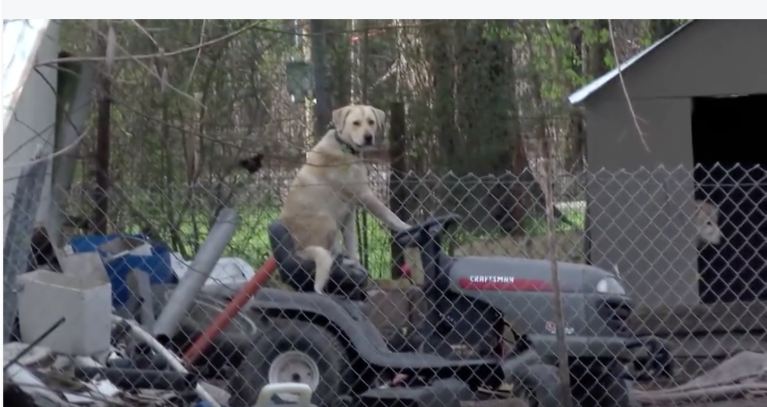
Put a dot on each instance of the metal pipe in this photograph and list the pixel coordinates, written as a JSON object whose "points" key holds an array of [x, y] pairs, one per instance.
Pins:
{"points": [[192, 282], [232, 309], [146, 297], [136, 379]]}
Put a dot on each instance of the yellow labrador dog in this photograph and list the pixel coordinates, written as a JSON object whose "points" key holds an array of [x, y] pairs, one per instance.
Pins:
{"points": [[327, 190]]}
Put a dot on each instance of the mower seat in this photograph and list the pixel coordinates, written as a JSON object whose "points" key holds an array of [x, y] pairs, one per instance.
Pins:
{"points": [[346, 280]]}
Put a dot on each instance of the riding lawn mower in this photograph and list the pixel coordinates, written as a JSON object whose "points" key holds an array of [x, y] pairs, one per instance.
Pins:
{"points": [[461, 351]]}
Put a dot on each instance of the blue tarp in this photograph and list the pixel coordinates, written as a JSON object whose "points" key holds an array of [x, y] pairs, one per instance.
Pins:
{"points": [[156, 265]]}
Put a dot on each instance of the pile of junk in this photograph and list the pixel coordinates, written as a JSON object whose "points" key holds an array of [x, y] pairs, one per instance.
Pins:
{"points": [[125, 322], [89, 315]]}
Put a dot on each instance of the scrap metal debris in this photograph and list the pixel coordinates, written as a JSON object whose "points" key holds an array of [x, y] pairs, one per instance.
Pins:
{"points": [[742, 376], [40, 377]]}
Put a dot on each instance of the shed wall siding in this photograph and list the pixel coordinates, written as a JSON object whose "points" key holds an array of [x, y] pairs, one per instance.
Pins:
{"points": [[614, 143], [709, 58], [640, 218], [641, 223]]}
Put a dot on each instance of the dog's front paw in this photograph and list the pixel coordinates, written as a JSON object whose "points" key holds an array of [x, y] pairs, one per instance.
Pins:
{"points": [[403, 227], [348, 261]]}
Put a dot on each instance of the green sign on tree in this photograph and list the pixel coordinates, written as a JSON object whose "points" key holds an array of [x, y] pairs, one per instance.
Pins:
{"points": [[299, 76]]}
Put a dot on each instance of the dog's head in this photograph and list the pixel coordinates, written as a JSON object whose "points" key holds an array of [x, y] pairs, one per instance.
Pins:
{"points": [[706, 219], [361, 126]]}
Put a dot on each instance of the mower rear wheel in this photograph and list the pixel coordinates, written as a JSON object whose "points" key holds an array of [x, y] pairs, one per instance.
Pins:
{"points": [[540, 388], [618, 391], [293, 351]]}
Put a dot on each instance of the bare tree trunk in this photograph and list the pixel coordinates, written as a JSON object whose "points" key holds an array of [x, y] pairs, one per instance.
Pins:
{"points": [[356, 63], [539, 194], [437, 46], [398, 189], [364, 62], [100, 219], [576, 137], [596, 65], [359, 56], [509, 209], [322, 107], [340, 63]]}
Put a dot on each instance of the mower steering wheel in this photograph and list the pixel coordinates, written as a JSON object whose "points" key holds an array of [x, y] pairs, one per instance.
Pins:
{"points": [[418, 235]]}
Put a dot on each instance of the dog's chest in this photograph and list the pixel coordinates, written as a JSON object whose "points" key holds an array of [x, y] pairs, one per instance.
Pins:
{"points": [[349, 177], [352, 170], [334, 188]]}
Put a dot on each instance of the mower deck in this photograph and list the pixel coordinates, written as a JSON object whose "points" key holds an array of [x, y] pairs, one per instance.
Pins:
{"points": [[346, 316]]}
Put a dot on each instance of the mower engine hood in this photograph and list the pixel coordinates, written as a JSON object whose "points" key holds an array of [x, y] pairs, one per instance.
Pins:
{"points": [[522, 290], [470, 273]]}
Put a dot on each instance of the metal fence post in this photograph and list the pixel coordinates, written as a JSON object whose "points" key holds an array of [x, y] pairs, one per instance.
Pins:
{"points": [[68, 137], [19, 235]]}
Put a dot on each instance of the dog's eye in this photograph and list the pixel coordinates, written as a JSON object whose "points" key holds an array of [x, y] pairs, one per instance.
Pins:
{"points": [[371, 122], [356, 123]]}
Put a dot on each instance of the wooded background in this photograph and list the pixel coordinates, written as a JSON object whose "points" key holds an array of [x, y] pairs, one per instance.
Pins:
{"points": [[477, 109]]}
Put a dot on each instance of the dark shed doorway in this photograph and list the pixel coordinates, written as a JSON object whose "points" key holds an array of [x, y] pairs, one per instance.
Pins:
{"points": [[730, 155]]}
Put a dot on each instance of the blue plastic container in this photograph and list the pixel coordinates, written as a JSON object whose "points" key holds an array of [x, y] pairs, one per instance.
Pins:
{"points": [[156, 265]]}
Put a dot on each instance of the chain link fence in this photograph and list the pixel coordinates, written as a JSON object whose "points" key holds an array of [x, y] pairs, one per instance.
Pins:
{"points": [[685, 249], [655, 298]]}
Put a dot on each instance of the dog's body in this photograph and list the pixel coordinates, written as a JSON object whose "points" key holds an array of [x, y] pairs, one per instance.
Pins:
{"points": [[706, 220], [327, 190]]}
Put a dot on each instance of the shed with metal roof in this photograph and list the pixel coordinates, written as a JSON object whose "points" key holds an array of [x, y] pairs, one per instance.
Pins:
{"points": [[697, 98]]}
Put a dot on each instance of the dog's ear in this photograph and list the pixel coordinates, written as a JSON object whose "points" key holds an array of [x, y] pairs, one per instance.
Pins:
{"points": [[339, 117], [380, 120]]}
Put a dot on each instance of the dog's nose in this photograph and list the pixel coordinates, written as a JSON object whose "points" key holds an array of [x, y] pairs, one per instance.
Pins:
{"points": [[368, 139]]}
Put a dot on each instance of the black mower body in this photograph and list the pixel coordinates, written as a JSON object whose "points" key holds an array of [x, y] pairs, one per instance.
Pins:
{"points": [[346, 319], [521, 290], [469, 302]]}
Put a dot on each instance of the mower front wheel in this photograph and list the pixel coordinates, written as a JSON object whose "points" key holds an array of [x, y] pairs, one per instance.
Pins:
{"points": [[291, 351], [539, 388]]}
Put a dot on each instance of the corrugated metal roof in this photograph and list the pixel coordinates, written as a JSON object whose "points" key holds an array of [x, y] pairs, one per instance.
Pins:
{"points": [[586, 91]]}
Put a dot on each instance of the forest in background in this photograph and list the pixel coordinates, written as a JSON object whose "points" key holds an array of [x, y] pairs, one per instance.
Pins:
{"points": [[478, 111]]}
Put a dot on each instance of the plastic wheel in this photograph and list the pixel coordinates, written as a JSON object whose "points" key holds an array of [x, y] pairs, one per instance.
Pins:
{"points": [[539, 388], [293, 351]]}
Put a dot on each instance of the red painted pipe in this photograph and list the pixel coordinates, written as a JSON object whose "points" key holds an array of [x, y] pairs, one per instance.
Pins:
{"points": [[230, 311]]}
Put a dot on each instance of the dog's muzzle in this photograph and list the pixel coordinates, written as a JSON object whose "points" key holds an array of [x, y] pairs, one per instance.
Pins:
{"points": [[368, 139]]}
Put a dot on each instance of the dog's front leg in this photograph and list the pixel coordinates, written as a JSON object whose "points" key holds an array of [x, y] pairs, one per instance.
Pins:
{"points": [[373, 205], [350, 236]]}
